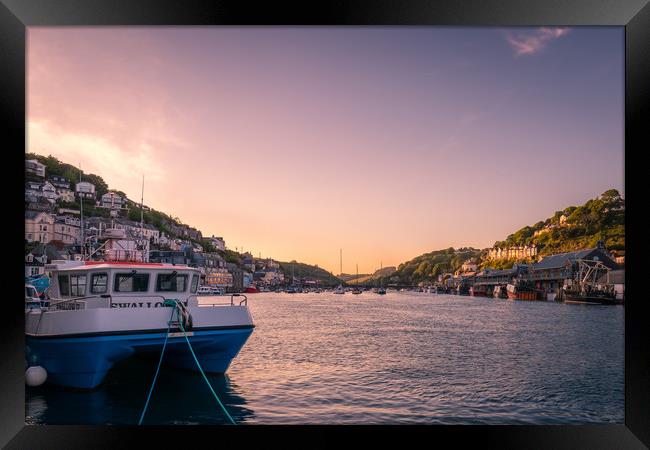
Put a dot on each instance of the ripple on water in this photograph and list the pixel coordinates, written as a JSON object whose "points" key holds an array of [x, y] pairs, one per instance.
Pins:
{"points": [[398, 358]]}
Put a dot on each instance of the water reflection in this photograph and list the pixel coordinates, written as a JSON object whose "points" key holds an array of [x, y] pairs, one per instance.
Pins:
{"points": [[180, 396], [393, 359]]}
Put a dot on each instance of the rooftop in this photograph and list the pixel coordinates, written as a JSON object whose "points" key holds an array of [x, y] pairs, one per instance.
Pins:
{"points": [[561, 259]]}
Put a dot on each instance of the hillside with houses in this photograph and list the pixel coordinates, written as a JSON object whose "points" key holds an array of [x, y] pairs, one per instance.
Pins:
{"points": [[67, 211], [600, 222]]}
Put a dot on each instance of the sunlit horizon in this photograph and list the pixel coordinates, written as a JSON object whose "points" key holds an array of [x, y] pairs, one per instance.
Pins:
{"points": [[293, 143]]}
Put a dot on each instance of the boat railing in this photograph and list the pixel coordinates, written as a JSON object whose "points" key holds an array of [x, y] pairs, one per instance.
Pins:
{"points": [[76, 303], [243, 302]]}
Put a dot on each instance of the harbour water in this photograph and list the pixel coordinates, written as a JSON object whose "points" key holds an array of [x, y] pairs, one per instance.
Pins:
{"points": [[401, 358]]}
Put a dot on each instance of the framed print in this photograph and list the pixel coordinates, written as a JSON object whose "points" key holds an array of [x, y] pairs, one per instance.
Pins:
{"points": [[397, 221]]}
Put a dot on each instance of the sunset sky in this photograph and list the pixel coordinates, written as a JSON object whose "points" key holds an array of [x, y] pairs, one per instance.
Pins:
{"points": [[387, 142]]}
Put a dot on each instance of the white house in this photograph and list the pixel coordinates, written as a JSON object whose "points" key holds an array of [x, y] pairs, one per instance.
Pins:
{"points": [[49, 192], [85, 189], [39, 227], [65, 195], [111, 200], [218, 243], [34, 189], [34, 264], [35, 167]]}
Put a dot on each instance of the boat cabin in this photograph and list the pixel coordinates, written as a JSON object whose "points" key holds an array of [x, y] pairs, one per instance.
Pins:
{"points": [[98, 284]]}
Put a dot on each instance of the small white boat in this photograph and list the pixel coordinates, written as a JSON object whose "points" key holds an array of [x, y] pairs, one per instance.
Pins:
{"points": [[339, 290], [101, 312]]}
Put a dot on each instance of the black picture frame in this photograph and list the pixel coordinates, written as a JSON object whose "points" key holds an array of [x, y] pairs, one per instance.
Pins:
{"points": [[634, 15]]}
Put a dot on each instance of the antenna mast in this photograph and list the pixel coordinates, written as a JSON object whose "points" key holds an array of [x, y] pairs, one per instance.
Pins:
{"points": [[141, 207], [81, 211]]}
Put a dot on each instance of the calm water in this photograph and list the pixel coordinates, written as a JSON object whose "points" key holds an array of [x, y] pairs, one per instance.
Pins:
{"points": [[394, 359]]}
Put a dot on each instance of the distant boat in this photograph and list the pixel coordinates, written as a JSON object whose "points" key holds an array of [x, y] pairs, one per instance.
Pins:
{"points": [[356, 289], [339, 290], [591, 298], [381, 290]]}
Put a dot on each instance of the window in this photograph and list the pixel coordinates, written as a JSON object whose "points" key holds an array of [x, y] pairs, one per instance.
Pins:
{"points": [[78, 285], [195, 284], [64, 285], [131, 282], [171, 282], [98, 283]]}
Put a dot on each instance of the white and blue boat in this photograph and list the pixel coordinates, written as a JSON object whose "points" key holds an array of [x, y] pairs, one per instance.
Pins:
{"points": [[101, 312]]}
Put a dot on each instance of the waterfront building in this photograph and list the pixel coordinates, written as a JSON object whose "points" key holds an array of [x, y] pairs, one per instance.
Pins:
{"points": [[35, 167], [218, 278], [619, 256], [617, 278], [492, 277], [39, 227], [552, 271], [84, 189]]}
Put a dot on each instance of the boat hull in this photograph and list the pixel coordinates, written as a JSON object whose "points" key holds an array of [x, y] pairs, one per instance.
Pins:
{"points": [[83, 362], [77, 348], [524, 295], [587, 300]]}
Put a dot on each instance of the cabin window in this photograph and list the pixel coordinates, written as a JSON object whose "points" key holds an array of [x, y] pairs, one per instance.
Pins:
{"points": [[64, 285], [99, 283], [77, 285], [171, 282], [195, 284], [131, 282]]}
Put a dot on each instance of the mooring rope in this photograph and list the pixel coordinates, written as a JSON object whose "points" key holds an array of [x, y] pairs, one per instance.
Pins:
{"points": [[214, 394], [178, 306], [155, 377]]}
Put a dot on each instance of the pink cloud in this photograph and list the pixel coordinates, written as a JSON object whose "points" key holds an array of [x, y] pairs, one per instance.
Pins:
{"points": [[529, 43]]}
